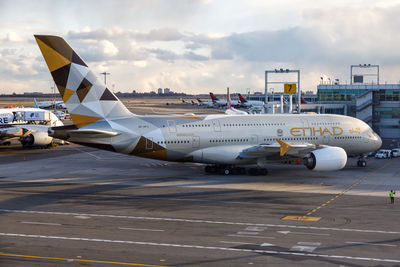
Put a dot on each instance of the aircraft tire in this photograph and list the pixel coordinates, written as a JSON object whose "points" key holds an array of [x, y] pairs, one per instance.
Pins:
{"points": [[361, 163], [253, 171], [263, 171]]}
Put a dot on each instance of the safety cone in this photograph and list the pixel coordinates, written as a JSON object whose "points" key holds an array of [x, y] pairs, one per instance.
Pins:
{"points": [[24, 159]]}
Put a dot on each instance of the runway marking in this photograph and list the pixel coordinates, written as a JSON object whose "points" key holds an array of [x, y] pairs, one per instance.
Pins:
{"points": [[83, 151], [372, 244], [270, 252], [255, 229], [247, 233], [302, 248], [253, 236], [349, 188], [42, 223], [309, 243], [240, 243], [78, 260], [299, 233], [301, 218], [139, 229], [197, 221]]}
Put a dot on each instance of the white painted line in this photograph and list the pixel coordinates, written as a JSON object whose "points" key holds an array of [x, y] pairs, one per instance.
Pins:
{"points": [[309, 243], [247, 233], [271, 252], [372, 244], [267, 245], [239, 243], [140, 229], [299, 233], [96, 157], [255, 229], [43, 223], [200, 221], [303, 248], [252, 236]]}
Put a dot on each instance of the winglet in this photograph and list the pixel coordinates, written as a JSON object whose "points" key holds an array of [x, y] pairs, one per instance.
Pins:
{"points": [[284, 146]]}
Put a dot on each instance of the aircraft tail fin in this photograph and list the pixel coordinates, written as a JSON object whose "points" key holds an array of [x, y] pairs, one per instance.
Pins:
{"points": [[242, 99], [86, 99], [228, 98], [213, 97], [35, 103]]}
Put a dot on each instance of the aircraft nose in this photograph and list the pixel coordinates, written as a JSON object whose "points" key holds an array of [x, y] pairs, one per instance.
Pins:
{"points": [[378, 142]]}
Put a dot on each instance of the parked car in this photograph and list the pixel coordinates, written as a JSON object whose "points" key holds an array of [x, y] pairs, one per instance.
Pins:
{"points": [[383, 154], [396, 152]]}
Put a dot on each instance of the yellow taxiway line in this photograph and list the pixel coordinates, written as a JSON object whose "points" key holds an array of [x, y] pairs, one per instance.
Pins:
{"points": [[314, 219], [78, 260]]}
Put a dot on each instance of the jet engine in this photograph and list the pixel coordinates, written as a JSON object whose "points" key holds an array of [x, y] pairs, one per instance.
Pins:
{"points": [[36, 139], [326, 159]]}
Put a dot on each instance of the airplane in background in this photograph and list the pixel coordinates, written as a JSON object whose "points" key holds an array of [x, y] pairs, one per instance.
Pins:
{"points": [[217, 102], [186, 103], [49, 104], [19, 123], [227, 143], [222, 103], [59, 113], [249, 103], [208, 104], [230, 110]]}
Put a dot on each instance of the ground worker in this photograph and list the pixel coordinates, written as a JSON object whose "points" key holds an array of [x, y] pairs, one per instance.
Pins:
{"points": [[391, 194]]}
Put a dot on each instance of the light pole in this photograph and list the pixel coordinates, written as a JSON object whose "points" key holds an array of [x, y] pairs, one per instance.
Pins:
{"points": [[105, 76]]}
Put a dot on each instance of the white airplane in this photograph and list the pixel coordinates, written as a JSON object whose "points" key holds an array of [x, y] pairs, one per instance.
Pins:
{"points": [[17, 123], [208, 104], [226, 142], [222, 103], [49, 104], [250, 103]]}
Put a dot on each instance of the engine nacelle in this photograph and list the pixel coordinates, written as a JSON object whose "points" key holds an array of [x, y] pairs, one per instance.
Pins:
{"points": [[326, 159], [36, 139]]}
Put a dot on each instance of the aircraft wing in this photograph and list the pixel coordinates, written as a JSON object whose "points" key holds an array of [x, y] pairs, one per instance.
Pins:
{"points": [[278, 149]]}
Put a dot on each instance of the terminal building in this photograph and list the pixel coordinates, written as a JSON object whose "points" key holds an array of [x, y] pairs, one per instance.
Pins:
{"points": [[364, 98], [376, 104]]}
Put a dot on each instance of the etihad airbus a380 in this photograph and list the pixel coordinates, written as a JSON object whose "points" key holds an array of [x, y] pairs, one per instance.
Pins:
{"points": [[225, 142]]}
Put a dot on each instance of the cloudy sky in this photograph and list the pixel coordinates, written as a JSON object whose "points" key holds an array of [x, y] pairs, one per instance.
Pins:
{"points": [[197, 46]]}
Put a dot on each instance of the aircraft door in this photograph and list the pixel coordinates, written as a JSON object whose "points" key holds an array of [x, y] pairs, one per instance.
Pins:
{"points": [[216, 125], [254, 139], [149, 143], [171, 126], [196, 141], [326, 139], [304, 123]]}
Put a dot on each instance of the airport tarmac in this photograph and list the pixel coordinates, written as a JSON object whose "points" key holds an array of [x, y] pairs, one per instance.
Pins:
{"points": [[73, 205]]}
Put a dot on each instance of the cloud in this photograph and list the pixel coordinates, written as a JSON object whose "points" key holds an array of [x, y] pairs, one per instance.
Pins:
{"points": [[193, 45]]}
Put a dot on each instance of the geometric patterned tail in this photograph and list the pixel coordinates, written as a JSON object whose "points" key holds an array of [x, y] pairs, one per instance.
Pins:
{"points": [[86, 99]]}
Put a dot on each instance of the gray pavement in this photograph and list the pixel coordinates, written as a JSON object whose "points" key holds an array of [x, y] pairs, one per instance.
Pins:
{"points": [[73, 205]]}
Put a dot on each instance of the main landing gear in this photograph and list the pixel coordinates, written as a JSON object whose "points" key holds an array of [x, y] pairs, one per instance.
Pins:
{"points": [[228, 169]]}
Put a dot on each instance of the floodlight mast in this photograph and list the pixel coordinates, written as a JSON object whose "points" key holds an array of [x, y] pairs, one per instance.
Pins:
{"points": [[105, 77], [282, 71]]}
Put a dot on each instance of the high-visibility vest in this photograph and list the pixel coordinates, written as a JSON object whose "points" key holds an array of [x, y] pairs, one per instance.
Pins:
{"points": [[391, 194]]}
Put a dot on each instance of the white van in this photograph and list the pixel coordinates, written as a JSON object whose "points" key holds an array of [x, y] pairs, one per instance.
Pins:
{"points": [[383, 154], [396, 152]]}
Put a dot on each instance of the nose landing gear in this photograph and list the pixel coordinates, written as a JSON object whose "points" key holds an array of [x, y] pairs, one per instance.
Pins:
{"points": [[361, 162]]}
